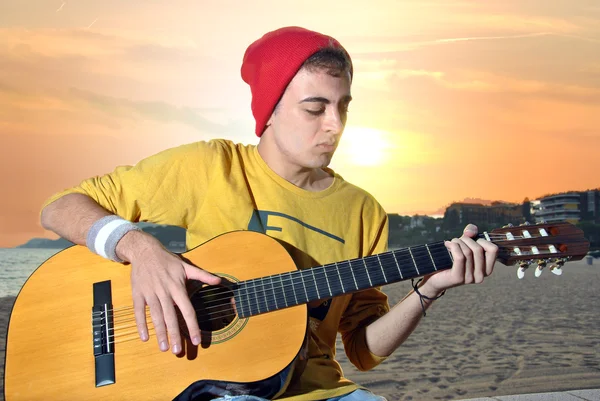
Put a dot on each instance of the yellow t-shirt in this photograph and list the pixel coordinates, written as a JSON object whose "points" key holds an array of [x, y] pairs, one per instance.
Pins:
{"points": [[217, 186]]}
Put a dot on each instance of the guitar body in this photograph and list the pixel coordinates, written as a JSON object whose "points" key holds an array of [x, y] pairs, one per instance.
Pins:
{"points": [[50, 353]]}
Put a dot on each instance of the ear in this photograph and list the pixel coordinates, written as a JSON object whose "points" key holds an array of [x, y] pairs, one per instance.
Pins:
{"points": [[275, 109], [270, 120]]}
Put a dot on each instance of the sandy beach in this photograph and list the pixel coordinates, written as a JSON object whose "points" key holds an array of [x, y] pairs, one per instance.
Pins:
{"points": [[506, 336]]}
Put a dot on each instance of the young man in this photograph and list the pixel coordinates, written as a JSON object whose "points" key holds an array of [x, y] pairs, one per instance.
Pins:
{"points": [[300, 82]]}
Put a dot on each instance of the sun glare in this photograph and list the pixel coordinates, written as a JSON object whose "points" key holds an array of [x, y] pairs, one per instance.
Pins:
{"points": [[365, 146]]}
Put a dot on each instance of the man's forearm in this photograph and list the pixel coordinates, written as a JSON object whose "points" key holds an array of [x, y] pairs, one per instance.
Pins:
{"points": [[71, 216], [388, 332]]}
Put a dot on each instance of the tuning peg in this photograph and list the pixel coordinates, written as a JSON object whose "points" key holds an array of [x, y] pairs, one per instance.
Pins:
{"points": [[525, 224], [508, 225], [540, 267], [556, 267], [523, 265], [538, 270]]}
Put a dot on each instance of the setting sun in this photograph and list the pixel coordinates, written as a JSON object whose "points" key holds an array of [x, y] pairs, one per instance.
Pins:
{"points": [[365, 146]]}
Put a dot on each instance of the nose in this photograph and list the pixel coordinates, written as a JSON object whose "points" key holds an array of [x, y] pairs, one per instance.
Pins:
{"points": [[333, 122]]}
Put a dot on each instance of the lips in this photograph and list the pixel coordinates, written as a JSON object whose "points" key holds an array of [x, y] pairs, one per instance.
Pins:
{"points": [[327, 147]]}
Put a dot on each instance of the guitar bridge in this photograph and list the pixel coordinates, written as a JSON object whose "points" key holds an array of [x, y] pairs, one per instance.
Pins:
{"points": [[103, 334]]}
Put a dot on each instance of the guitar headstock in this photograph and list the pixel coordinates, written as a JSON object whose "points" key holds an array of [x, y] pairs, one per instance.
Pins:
{"points": [[550, 244]]}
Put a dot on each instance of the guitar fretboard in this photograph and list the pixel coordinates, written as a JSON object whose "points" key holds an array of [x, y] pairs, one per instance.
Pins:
{"points": [[270, 293]]}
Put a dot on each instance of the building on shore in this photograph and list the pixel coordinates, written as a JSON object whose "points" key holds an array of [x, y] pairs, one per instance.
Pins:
{"points": [[571, 207], [497, 214]]}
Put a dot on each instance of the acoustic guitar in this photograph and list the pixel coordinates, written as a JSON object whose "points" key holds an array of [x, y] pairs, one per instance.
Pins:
{"points": [[72, 333]]}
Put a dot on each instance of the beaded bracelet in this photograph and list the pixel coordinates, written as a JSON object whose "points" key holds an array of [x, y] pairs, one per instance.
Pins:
{"points": [[421, 296]]}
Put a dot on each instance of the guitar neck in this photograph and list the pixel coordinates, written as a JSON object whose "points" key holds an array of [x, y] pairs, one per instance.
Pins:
{"points": [[280, 291]]}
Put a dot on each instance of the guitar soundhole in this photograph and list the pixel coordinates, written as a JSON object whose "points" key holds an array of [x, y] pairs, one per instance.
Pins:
{"points": [[214, 307]]}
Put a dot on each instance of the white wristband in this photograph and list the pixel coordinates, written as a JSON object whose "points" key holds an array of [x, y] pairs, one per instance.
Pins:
{"points": [[105, 234]]}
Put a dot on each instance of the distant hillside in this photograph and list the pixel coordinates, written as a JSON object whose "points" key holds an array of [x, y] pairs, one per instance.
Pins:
{"points": [[60, 243], [485, 202], [170, 236]]}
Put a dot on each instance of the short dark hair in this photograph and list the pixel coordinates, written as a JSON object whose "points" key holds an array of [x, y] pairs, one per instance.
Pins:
{"points": [[332, 59]]}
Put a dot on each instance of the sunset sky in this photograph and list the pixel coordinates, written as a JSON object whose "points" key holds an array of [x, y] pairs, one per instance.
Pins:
{"points": [[452, 99]]}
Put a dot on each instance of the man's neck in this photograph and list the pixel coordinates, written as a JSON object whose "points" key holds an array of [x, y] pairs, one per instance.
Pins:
{"points": [[309, 179]]}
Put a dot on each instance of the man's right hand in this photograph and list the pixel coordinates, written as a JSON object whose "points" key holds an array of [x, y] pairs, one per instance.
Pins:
{"points": [[158, 279]]}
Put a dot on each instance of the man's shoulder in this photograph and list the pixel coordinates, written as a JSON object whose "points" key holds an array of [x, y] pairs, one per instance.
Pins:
{"points": [[217, 146], [359, 194], [225, 146]]}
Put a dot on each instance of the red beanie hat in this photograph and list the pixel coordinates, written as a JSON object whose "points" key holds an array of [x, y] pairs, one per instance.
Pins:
{"points": [[272, 61]]}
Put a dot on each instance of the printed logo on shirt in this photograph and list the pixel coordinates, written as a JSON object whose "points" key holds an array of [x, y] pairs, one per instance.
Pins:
{"points": [[259, 222]]}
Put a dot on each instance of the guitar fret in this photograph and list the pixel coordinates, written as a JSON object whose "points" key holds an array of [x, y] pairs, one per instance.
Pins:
{"points": [[264, 293], [270, 293], [376, 274], [304, 285], [444, 258], [398, 266], [273, 289], [311, 284], [347, 275], [294, 288], [367, 270], [322, 282], [335, 281], [390, 270], [422, 254], [338, 272], [432, 261], [292, 277], [414, 262], [251, 303], [316, 284], [327, 280], [283, 290], [255, 299], [353, 276], [382, 271], [239, 301], [289, 290]]}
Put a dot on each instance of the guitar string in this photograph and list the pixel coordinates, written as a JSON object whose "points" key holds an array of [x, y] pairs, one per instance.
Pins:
{"points": [[369, 258], [320, 270], [287, 282], [264, 290], [260, 292], [260, 289], [133, 333], [264, 305], [122, 339], [392, 253], [250, 284]]}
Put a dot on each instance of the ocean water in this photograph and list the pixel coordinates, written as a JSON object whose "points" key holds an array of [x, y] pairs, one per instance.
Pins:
{"points": [[17, 264]]}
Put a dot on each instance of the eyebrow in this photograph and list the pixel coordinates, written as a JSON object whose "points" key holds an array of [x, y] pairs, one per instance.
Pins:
{"points": [[319, 99]]}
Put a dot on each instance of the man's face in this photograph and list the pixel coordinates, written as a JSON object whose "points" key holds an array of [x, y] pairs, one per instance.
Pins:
{"points": [[308, 123]]}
